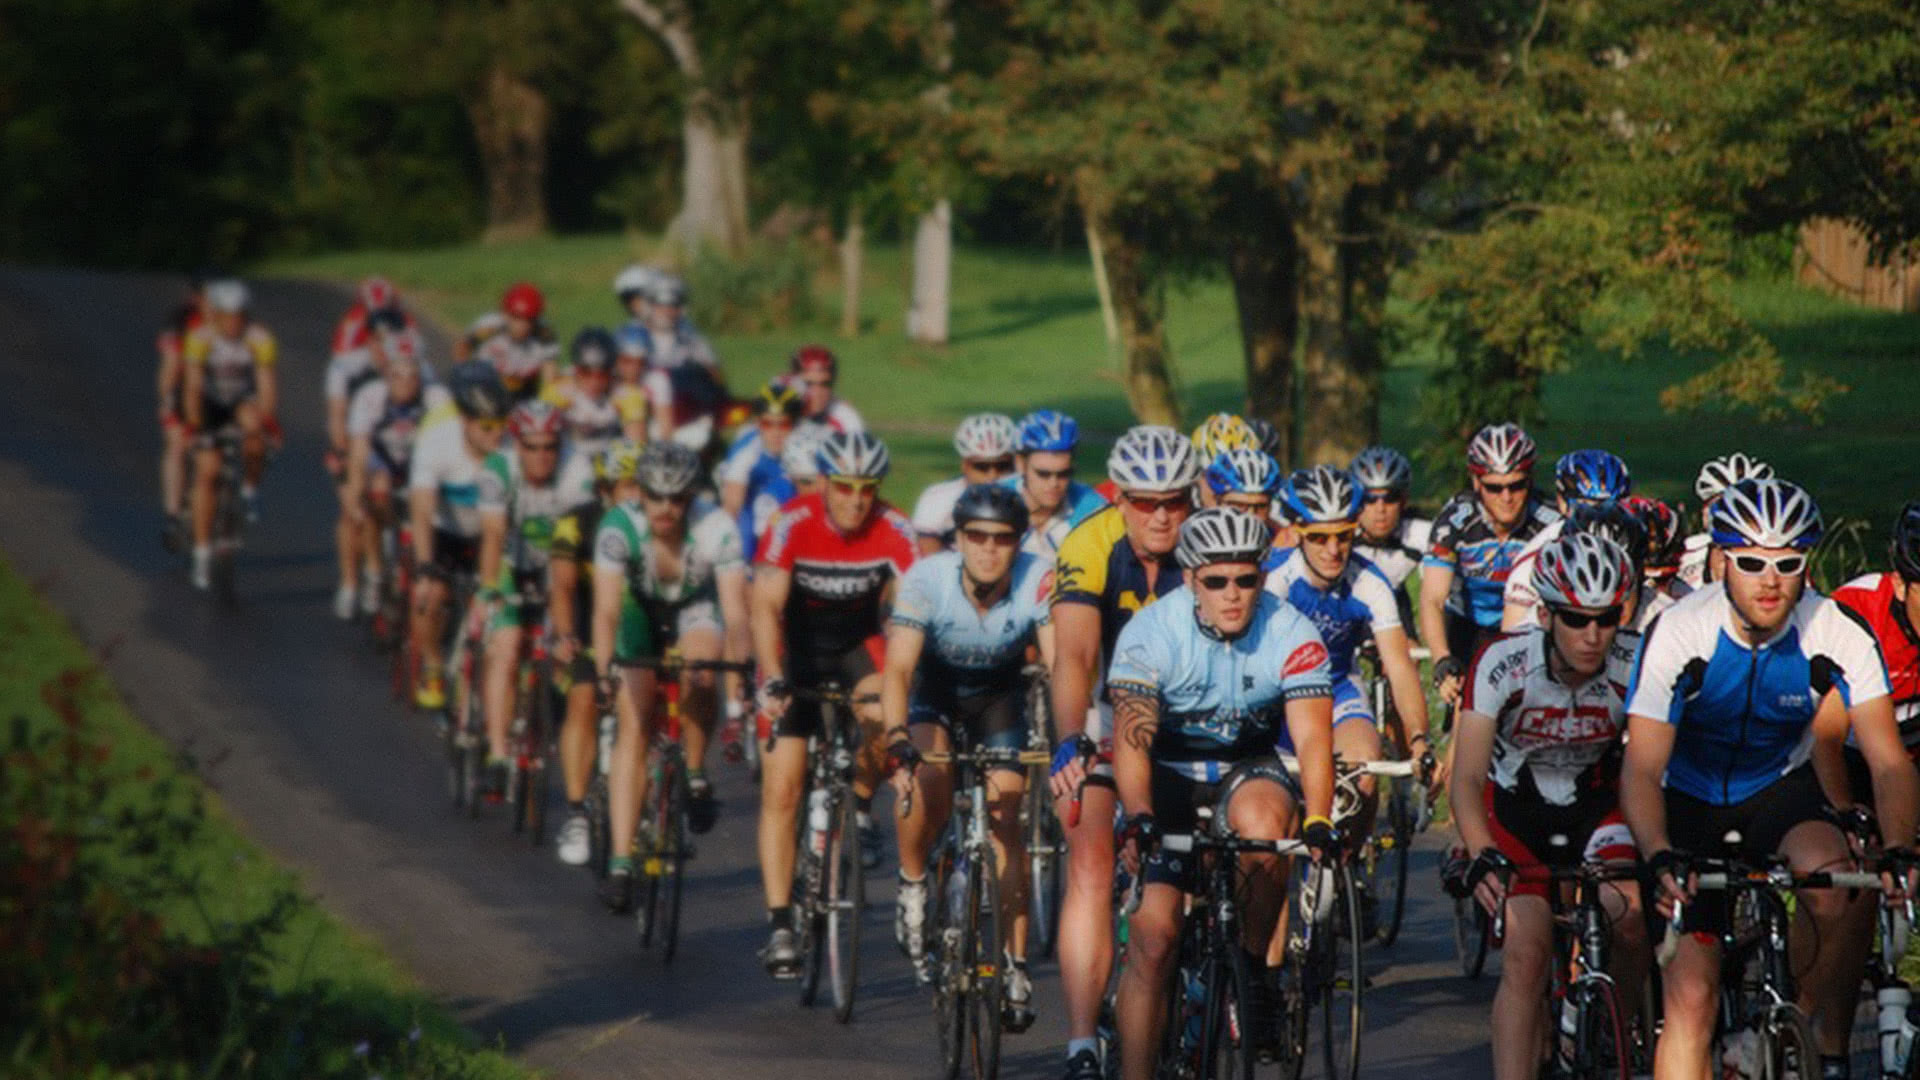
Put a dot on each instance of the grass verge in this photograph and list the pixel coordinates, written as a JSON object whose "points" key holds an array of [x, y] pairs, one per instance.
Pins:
{"points": [[144, 934]]}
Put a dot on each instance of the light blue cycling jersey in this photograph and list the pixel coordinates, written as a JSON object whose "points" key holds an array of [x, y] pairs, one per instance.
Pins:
{"points": [[1744, 713], [1347, 613], [1221, 702], [969, 652], [1081, 503]]}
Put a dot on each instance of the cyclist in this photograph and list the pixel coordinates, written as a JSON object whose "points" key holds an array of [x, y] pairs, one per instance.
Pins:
{"points": [[1664, 542], [1349, 603], [1697, 564], [680, 560], [1222, 432], [1888, 603], [373, 341], [1581, 478], [1609, 519], [170, 378], [382, 419], [444, 507], [630, 287], [596, 412], [356, 356], [801, 462], [820, 582], [1043, 475], [1389, 539], [1113, 565], [1247, 481], [231, 381], [817, 369], [1723, 698], [956, 646], [1541, 718], [753, 483], [1205, 685], [523, 493], [1474, 541], [570, 609], [516, 341], [985, 443]]}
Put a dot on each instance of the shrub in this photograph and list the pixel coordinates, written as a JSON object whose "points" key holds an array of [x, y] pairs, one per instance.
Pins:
{"points": [[769, 288]]}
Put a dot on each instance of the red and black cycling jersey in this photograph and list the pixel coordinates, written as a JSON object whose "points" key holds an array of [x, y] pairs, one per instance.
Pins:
{"points": [[838, 578], [1874, 598]]}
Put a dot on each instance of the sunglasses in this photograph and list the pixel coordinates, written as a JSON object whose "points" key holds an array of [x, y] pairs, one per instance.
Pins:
{"points": [[1576, 620], [681, 499], [489, 426], [989, 536], [1053, 474], [855, 483], [818, 382], [1755, 565], [1149, 505], [1216, 582], [1505, 489], [540, 448], [1385, 497], [1256, 507], [1329, 536], [998, 466]]}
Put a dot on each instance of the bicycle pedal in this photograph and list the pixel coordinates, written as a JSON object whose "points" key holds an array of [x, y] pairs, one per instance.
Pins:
{"points": [[1015, 1020]]}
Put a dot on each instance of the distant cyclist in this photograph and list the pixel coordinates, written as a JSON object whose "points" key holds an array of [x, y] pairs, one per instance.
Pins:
{"points": [[631, 288], [1664, 544], [753, 482], [1389, 538], [1248, 481], [596, 411], [1611, 520], [1043, 475], [376, 341], [684, 381], [516, 341], [956, 649], [817, 370], [1222, 432], [231, 381], [985, 443], [170, 382], [382, 420], [1888, 603], [1581, 478], [444, 509], [1475, 539], [1698, 561]]}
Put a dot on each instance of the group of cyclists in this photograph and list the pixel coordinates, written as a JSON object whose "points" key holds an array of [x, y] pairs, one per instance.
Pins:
{"points": [[1614, 687]]}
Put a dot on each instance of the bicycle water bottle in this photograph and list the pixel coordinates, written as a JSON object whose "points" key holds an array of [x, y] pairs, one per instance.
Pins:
{"points": [[817, 822], [1896, 1030], [957, 889], [1196, 1010]]}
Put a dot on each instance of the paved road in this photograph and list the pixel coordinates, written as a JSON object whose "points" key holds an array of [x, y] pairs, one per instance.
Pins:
{"points": [[289, 711]]}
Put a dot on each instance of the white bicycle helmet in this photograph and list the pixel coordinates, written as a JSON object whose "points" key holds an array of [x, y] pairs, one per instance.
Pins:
{"points": [[1585, 571], [853, 454], [665, 290], [668, 468], [1765, 512], [984, 437], [1501, 448], [800, 459], [633, 281], [1727, 470], [1322, 495], [1220, 535], [228, 296], [1382, 468], [1153, 458]]}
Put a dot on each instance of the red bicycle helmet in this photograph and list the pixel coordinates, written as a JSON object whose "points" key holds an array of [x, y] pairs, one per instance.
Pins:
{"points": [[815, 356], [376, 293], [523, 301]]}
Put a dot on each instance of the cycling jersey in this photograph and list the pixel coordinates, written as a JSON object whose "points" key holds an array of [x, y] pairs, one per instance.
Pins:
{"points": [[1550, 739], [970, 652], [442, 464], [933, 511], [624, 545], [1347, 613], [837, 416], [390, 426], [1873, 598], [352, 331], [1693, 559], [838, 578], [592, 423], [674, 348], [1221, 701], [1744, 713], [1097, 566], [232, 364], [350, 360], [531, 510], [1399, 554], [1045, 535], [1464, 541], [767, 487], [519, 363]]}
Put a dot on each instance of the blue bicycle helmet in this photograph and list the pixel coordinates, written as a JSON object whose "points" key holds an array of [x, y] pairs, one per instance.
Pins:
{"points": [[1592, 476], [1047, 431], [1244, 472], [1321, 495]]}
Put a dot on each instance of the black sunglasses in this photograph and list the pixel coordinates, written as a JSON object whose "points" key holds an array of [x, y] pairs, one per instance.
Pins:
{"points": [[1385, 497], [1577, 620], [1504, 489], [1216, 582]]}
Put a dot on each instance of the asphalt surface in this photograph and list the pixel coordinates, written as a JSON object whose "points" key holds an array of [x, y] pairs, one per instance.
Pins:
{"points": [[287, 710]]}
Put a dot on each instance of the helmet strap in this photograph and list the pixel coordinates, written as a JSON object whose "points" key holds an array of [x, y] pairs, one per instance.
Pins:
{"points": [[1213, 631]]}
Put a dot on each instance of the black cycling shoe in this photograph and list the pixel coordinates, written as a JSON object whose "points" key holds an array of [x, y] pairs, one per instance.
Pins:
{"points": [[1085, 1065], [616, 891], [702, 808], [782, 953], [495, 785]]}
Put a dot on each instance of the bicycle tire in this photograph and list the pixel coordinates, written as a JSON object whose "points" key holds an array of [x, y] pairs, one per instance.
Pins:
{"points": [[1342, 982], [650, 849], [809, 922], [1390, 887], [599, 827], [1045, 843], [1788, 1051], [456, 757], [474, 757], [1227, 1050], [841, 897], [985, 996], [517, 794], [674, 865], [539, 753], [1600, 1050], [1470, 934], [950, 964]]}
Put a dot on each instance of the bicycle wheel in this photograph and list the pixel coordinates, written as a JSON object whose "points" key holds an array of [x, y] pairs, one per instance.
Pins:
{"points": [[458, 778], [1470, 934], [1392, 864], [951, 960], [1339, 981], [841, 895], [473, 758], [673, 865], [1228, 1049], [226, 548], [809, 920], [650, 848], [1787, 1049], [984, 982], [599, 827], [1600, 1049], [539, 754], [1046, 843]]}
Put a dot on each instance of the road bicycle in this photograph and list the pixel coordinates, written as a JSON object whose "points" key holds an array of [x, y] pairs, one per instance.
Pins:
{"points": [[829, 887], [462, 728], [1405, 812], [966, 936], [1593, 1037], [1046, 840], [1474, 930], [229, 514], [663, 844], [531, 733]]}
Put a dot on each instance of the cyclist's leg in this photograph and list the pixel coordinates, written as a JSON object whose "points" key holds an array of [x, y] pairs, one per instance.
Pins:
{"points": [[1832, 929], [1005, 787], [379, 511], [173, 466], [700, 639], [348, 533], [783, 775], [253, 445], [627, 777], [206, 473], [1690, 1000], [932, 796], [1259, 807], [577, 734], [1612, 842], [1086, 911], [1153, 937], [504, 637], [1526, 955], [1356, 740]]}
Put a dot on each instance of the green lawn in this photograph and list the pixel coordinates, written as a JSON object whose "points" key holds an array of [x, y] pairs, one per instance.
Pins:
{"points": [[327, 1001], [1026, 333]]}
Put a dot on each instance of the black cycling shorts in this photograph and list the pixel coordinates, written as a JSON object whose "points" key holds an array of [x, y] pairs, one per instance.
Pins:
{"points": [[1763, 822], [995, 719], [802, 719], [1176, 799], [455, 555]]}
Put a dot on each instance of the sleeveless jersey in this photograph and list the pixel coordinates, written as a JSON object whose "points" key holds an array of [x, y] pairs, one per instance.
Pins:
{"points": [[231, 364]]}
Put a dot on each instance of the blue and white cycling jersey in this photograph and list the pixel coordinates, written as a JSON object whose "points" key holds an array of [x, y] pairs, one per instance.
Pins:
{"points": [[1744, 714], [970, 652], [748, 463], [1347, 613], [1463, 540], [1081, 503], [1221, 702]]}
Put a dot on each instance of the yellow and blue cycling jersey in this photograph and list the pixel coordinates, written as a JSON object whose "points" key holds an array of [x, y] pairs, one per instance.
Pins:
{"points": [[1097, 566]]}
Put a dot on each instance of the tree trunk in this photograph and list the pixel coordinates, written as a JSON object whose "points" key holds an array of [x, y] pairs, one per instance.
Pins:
{"points": [[713, 196], [852, 249], [510, 119], [1140, 305], [1263, 265], [932, 275], [1342, 291], [1101, 287]]}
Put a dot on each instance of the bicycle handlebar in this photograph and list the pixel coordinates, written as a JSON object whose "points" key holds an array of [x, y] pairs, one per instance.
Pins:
{"points": [[1368, 768], [1184, 843], [990, 755], [676, 664]]}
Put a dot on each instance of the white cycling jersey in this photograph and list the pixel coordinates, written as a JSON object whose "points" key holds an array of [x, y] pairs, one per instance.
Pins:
{"points": [[1545, 730], [933, 512], [442, 464], [1519, 588], [624, 546], [1400, 554], [392, 429], [532, 510], [1693, 560]]}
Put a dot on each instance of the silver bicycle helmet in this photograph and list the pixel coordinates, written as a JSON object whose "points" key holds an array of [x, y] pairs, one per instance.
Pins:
{"points": [[985, 436], [1585, 571], [1153, 458], [1220, 535], [854, 454], [1501, 448], [668, 468], [1766, 513], [1382, 468], [1322, 495], [800, 459], [1725, 471], [228, 295]]}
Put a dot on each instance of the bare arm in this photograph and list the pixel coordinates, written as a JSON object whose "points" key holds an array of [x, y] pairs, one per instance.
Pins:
{"points": [[904, 645], [733, 614], [421, 504], [1473, 758], [563, 577], [1436, 582], [1310, 724], [1403, 677], [770, 587], [609, 594], [358, 453], [1649, 746], [1136, 717], [733, 496], [1518, 616], [1896, 787], [1043, 636], [1830, 726], [337, 424], [267, 391], [493, 544], [1076, 643], [190, 402]]}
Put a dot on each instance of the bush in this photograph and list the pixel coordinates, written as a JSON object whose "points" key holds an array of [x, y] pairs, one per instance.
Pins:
{"points": [[770, 288]]}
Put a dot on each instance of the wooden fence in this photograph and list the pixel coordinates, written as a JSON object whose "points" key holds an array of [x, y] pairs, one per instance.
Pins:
{"points": [[1833, 257]]}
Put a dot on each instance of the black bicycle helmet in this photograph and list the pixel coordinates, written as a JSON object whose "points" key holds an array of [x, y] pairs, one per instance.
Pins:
{"points": [[990, 502], [478, 392], [1905, 549], [1614, 522]]}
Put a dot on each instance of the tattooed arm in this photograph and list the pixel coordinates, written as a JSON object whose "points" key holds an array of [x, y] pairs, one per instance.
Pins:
{"points": [[1136, 720]]}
